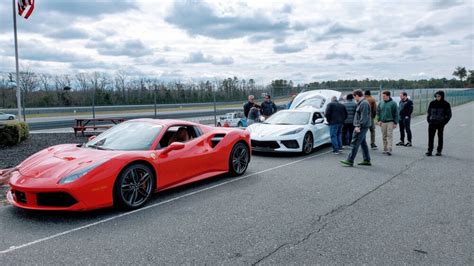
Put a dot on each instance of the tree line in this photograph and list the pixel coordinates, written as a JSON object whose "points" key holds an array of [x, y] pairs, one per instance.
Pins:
{"points": [[81, 89]]}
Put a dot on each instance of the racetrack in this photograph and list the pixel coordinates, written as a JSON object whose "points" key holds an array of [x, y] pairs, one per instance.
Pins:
{"points": [[406, 209]]}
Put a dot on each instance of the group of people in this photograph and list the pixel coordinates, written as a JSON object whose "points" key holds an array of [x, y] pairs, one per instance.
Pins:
{"points": [[350, 122], [254, 112]]}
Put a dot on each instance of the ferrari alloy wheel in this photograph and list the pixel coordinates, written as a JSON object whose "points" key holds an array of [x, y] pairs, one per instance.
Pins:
{"points": [[239, 159], [308, 143], [134, 186]]}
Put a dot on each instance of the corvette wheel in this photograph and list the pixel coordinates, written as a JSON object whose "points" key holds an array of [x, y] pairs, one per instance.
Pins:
{"points": [[308, 143], [11, 118], [134, 186], [239, 159]]}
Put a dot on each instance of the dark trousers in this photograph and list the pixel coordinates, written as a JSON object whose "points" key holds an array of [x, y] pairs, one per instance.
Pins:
{"points": [[405, 126], [347, 130], [432, 128], [358, 140]]}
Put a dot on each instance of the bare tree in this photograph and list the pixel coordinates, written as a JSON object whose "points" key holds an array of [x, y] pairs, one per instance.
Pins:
{"points": [[44, 80], [121, 79], [82, 80]]}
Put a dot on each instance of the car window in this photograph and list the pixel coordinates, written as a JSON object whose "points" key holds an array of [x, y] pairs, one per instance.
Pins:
{"points": [[178, 133]]}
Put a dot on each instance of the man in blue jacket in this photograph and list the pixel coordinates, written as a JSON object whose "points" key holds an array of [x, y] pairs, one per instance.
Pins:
{"points": [[405, 110], [268, 107]]}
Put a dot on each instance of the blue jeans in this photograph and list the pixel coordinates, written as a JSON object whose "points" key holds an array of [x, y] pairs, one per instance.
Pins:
{"points": [[358, 139], [336, 136]]}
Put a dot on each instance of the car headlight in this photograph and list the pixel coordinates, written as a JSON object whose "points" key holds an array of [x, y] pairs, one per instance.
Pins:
{"points": [[76, 175], [296, 131]]}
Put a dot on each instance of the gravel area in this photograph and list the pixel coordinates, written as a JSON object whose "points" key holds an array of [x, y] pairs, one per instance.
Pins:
{"points": [[12, 156]]}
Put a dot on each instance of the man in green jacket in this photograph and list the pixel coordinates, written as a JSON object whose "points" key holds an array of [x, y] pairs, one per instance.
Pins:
{"points": [[387, 117]]}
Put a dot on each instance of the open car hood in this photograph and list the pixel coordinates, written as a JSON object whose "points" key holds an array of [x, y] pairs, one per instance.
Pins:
{"points": [[305, 97]]}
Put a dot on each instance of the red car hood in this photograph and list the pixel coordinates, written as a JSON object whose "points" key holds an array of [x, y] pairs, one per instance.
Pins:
{"points": [[59, 161]]}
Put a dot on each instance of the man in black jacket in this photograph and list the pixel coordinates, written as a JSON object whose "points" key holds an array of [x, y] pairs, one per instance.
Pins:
{"points": [[335, 115], [248, 105], [268, 107], [405, 110], [439, 114]]}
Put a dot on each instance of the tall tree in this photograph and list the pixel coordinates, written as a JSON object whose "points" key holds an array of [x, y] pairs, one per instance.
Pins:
{"points": [[461, 73]]}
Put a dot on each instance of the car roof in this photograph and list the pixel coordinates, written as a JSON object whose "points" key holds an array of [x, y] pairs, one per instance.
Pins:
{"points": [[163, 122], [303, 109]]}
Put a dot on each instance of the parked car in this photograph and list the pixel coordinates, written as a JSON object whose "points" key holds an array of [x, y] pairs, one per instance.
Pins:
{"points": [[5, 116], [300, 129], [232, 120], [124, 165]]}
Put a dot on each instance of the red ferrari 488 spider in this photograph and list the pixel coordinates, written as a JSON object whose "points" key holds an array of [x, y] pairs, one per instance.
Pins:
{"points": [[124, 165]]}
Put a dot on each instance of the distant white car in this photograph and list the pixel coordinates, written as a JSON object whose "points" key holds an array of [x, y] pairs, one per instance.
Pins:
{"points": [[300, 129], [232, 120], [5, 116]]}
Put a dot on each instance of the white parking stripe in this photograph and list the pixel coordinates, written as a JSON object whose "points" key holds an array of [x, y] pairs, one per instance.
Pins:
{"points": [[13, 248]]}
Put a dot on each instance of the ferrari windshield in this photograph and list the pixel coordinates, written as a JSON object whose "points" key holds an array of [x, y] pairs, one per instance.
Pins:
{"points": [[128, 136], [289, 118]]}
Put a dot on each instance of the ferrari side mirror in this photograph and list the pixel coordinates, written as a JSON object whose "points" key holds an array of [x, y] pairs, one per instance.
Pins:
{"points": [[173, 147]]}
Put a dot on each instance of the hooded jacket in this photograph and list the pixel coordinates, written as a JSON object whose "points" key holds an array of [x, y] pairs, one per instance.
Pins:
{"points": [[362, 116], [350, 106], [439, 112]]}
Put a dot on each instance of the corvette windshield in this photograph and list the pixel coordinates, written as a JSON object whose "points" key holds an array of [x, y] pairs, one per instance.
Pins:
{"points": [[289, 118], [316, 102], [128, 136]]}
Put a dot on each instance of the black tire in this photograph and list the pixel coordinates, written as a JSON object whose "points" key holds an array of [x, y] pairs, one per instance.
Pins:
{"points": [[307, 143], [239, 159], [132, 189], [239, 124], [11, 118], [219, 124]]}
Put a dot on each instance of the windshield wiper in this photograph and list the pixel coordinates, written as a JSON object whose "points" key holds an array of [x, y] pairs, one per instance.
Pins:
{"points": [[95, 146]]}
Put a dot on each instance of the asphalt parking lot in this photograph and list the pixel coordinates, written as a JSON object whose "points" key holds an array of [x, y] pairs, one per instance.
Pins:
{"points": [[405, 209]]}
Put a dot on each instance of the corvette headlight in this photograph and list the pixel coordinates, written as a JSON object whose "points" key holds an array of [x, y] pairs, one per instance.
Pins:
{"points": [[296, 131], [76, 175]]}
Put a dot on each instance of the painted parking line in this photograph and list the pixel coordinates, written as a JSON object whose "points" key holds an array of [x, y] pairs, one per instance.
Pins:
{"points": [[13, 248]]}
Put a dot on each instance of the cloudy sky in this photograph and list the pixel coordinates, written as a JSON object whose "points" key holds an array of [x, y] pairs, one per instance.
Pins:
{"points": [[299, 40]]}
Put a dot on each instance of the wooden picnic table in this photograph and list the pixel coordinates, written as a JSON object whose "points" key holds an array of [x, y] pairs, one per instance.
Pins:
{"points": [[82, 124]]}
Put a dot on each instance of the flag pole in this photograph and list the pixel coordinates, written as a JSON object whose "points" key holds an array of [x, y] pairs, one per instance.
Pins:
{"points": [[18, 90]]}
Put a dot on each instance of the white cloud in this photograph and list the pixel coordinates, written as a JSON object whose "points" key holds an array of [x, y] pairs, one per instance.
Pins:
{"points": [[301, 40]]}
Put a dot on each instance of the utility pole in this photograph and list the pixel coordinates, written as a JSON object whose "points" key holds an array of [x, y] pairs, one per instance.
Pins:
{"points": [[18, 89]]}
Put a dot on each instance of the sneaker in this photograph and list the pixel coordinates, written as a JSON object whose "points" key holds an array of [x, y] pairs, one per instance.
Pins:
{"points": [[368, 163], [428, 153], [438, 154], [389, 153], [401, 143], [347, 163], [408, 144], [373, 146], [384, 152], [335, 152]]}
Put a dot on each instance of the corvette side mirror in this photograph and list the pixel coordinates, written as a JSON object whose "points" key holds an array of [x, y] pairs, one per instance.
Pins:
{"points": [[319, 121]]}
